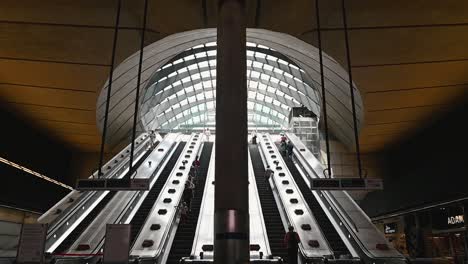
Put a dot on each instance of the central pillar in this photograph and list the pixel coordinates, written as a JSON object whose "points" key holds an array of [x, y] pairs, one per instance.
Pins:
{"points": [[231, 219]]}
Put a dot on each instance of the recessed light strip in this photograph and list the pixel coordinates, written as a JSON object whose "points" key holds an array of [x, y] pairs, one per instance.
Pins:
{"points": [[35, 173]]}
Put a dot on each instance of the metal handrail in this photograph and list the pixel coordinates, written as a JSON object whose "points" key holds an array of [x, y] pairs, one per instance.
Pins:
{"points": [[331, 201], [281, 205], [167, 231], [134, 198]]}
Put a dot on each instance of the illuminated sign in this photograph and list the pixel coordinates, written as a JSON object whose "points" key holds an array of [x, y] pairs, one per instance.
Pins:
{"points": [[390, 228], [455, 220]]}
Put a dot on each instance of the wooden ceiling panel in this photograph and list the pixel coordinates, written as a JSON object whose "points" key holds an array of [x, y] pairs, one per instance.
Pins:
{"points": [[392, 13], [57, 43], [404, 76], [72, 128], [51, 113], [51, 97], [175, 16], [402, 115], [386, 128], [414, 97], [83, 12], [294, 17], [395, 46], [407, 45], [56, 75]]}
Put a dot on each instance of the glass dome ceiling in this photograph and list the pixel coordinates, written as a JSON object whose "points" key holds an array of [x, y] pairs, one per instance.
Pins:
{"points": [[181, 95]]}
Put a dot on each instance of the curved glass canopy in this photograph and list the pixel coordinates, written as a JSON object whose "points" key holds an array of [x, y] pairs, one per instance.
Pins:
{"points": [[182, 93]]}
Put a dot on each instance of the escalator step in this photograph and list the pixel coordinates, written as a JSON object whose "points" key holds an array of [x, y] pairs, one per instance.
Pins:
{"points": [[183, 239], [143, 211], [336, 243]]}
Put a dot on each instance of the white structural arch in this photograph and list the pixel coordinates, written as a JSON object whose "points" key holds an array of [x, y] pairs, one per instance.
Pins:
{"points": [[178, 85]]}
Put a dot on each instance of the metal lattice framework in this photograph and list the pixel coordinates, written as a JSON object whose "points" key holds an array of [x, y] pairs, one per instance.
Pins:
{"points": [[183, 91], [179, 80]]}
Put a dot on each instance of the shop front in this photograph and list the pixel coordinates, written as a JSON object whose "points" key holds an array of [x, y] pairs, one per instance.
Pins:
{"points": [[448, 239], [437, 234]]}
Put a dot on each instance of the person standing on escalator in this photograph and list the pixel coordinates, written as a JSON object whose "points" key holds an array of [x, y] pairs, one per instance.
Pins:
{"points": [[291, 242]]}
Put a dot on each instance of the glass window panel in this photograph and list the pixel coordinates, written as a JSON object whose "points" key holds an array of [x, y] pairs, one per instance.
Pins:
{"points": [[257, 64], [189, 89], [189, 57], [268, 67], [186, 79], [211, 53], [198, 86], [180, 93], [207, 84], [200, 55], [205, 74], [271, 58], [167, 66], [255, 74], [262, 86], [203, 64], [177, 83], [260, 55]]}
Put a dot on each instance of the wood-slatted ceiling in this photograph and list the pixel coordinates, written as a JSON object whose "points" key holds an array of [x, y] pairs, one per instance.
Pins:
{"points": [[409, 58]]}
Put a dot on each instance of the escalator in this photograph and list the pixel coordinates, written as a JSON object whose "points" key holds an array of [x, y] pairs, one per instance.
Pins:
{"points": [[140, 217], [182, 243], [73, 236], [271, 215], [334, 240]]}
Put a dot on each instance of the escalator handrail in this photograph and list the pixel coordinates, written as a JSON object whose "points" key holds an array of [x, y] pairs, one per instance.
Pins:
{"points": [[259, 206], [161, 246], [205, 201], [84, 198], [136, 196], [339, 210], [110, 173], [98, 196], [317, 227]]}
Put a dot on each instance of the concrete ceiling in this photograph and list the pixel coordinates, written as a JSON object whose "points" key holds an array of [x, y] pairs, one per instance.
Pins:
{"points": [[409, 58]]}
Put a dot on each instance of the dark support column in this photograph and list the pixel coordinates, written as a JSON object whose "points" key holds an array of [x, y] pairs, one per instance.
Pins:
{"points": [[231, 220]]}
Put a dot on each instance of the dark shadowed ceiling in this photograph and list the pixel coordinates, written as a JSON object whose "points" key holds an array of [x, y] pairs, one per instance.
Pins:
{"points": [[409, 58]]}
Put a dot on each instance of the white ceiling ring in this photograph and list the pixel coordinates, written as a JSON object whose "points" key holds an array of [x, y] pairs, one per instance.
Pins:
{"points": [[159, 53]]}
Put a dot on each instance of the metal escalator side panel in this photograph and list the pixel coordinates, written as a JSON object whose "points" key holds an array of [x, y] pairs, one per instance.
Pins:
{"points": [[164, 213], [64, 204], [258, 233], [272, 209], [298, 213], [183, 233], [57, 235], [204, 235], [357, 224], [205, 232], [124, 200]]}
